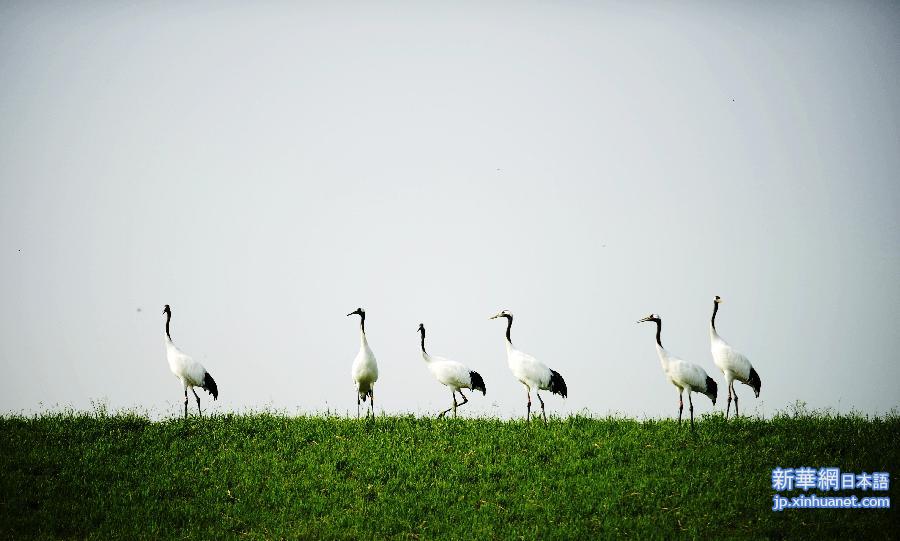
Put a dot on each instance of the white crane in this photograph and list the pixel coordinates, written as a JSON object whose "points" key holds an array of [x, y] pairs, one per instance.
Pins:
{"points": [[530, 372], [684, 375], [190, 372], [365, 369], [731, 362], [453, 374]]}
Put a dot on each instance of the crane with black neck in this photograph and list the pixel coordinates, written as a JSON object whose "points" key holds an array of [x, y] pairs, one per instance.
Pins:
{"points": [[684, 375], [733, 364], [452, 374], [190, 372], [530, 372]]}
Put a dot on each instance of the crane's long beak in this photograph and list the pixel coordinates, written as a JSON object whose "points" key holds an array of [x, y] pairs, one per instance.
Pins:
{"points": [[643, 320], [495, 316], [351, 313]]}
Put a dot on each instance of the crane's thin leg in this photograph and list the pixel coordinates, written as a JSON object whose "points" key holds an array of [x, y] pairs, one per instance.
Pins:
{"points": [[453, 408], [372, 401], [727, 409], [736, 413], [680, 406], [455, 404], [691, 404], [198, 401], [357, 404], [528, 414], [465, 400], [543, 413], [185, 402]]}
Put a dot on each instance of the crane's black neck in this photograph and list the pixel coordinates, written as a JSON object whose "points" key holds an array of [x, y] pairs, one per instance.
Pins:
{"points": [[508, 328], [658, 331], [168, 317], [713, 320], [362, 322], [422, 330]]}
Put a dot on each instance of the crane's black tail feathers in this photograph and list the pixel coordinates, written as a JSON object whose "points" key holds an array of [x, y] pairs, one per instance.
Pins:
{"points": [[477, 382], [557, 384], [754, 381], [209, 385], [712, 389]]}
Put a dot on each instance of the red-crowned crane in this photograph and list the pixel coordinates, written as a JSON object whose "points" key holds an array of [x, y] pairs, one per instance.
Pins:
{"points": [[530, 372], [682, 374], [365, 369], [190, 372], [453, 374], [733, 364]]}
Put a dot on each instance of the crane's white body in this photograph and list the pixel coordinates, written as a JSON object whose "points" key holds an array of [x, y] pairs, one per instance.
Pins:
{"points": [[684, 375], [530, 372], [365, 368], [453, 374], [190, 372], [733, 364]]}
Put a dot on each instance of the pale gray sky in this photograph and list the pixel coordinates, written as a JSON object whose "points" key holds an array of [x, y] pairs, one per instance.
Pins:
{"points": [[265, 169]]}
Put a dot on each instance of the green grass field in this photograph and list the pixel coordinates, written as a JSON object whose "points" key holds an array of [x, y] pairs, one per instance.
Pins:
{"points": [[270, 476]]}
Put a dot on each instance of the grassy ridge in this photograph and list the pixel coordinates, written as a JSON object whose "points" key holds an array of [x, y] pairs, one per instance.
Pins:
{"points": [[268, 476]]}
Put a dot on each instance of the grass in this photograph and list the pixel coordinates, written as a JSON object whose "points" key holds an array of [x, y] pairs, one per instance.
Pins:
{"points": [[82, 475]]}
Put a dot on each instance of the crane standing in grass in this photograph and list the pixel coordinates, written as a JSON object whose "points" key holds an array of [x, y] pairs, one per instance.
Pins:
{"points": [[733, 364], [190, 372], [365, 369], [683, 375], [453, 374], [530, 372]]}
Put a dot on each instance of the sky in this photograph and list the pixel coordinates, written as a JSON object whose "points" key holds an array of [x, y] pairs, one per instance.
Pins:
{"points": [[267, 168]]}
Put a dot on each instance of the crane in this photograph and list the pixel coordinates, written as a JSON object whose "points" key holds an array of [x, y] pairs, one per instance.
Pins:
{"points": [[684, 375], [365, 369], [190, 372], [530, 372], [453, 374], [733, 364]]}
